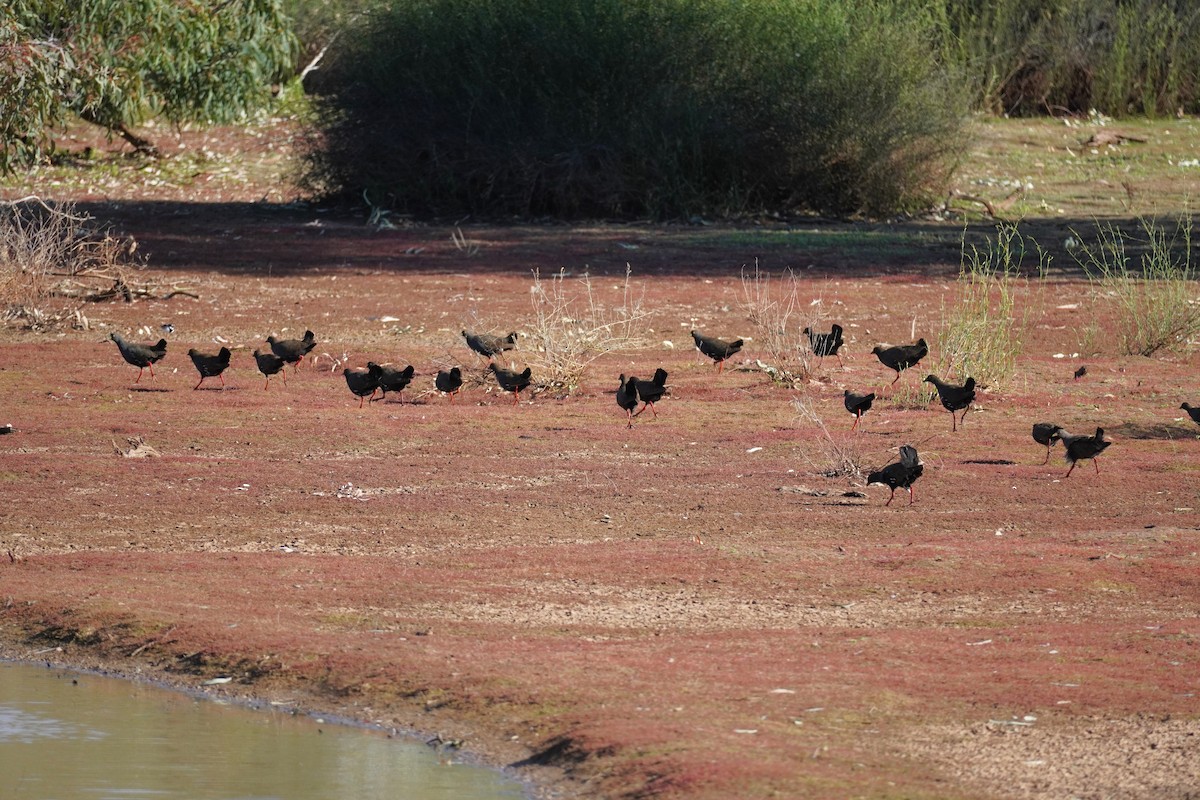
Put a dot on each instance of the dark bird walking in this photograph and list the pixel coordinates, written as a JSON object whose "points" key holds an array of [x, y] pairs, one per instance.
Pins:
{"points": [[826, 344], [1079, 373], [210, 365], [449, 381], [293, 351], [392, 379], [857, 404], [1192, 412], [1082, 447], [511, 381], [651, 391], [902, 473], [363, 383], [270, 364], [901, 356], [954, 398], [142, 356], [717, 349], [627, 397], [1048, 433], [489, 345]]}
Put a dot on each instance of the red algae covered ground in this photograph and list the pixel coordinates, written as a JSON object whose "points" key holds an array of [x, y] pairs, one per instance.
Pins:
{"points": [[696, 607]]}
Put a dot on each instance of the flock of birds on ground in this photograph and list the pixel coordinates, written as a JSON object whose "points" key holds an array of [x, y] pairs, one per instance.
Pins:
{"points": [[632, 391]]}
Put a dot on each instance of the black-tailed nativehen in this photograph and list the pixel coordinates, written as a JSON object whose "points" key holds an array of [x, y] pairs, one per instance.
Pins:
{"points": [[651, 391], [627, 397], [511, 381], [489, 345], [210, 365], [857, 404], [270, 364], [449, 381], [363, 383], [717, 349], [954, 397], [1081, 447], [1048, 433], [393, 379], [142, 356], [293, 351], [826, 344], [902, 473], [901, 356]]}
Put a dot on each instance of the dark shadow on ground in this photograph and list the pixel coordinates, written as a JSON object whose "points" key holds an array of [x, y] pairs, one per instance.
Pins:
{"points": [[271, 239]]}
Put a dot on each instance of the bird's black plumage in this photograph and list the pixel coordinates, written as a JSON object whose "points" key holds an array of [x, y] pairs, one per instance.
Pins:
{"points": [[511, 381], [717, 349], [210, 365], [392, 379], [902, 473], [1048, 433], [363, 383], [627, 397], [141, 356], [1192, 412], [269, 364], [857, 404], [449, 381], [1081, 447], [293, 351], [954, 398], [901, 356], [1079, 373], [489, 345], [826, 344], [651, 391]]}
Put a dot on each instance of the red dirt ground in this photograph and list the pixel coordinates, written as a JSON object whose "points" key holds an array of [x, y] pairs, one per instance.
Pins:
{"points": [[690, 608]]}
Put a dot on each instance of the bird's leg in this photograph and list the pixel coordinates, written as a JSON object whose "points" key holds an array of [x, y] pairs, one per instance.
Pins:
{"points": [[891, 497], [151, 366], [839, 358], [652, 411], [1047, 461], [361, 399], [893, 383], [910, 495], [139, 377], [222, 377], [197, 386], [268, 386], [516, 396], [629, 415], [1069, 471], [720, 366], [1096, 464], [857, 417], [953, 422]]}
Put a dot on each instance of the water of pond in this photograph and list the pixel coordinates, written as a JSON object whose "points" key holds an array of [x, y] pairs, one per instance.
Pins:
{"points": [[70, 736]]}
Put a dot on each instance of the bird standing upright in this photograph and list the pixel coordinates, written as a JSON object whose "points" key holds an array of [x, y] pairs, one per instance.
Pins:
{"points": [[954, 398], [489, 345], [651, 391], [511, 381], [717, 349], [900, 473], [293, 351], [857, 404], [270, 364], [363, 383], [627, 397], [392, 379], [449, 381], [140, 355], [1081, 447], [901, 356], [1048, 433], [826, 344], [210, 365]]}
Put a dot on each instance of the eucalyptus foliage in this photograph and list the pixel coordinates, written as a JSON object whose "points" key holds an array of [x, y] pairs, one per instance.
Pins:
{"points": [[118, 63]]}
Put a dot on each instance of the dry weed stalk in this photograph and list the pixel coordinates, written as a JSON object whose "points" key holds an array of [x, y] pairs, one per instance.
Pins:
{"points": [[838, 456], [776, 315], [53, 260], [570, 331]]}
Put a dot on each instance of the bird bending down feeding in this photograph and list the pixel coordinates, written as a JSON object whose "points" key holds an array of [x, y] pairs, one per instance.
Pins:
{"points": [[449, 381], [1081, 447], [270, 364], [511, 381], [392, 379], [363, 383], [857, 404], [488, 345], [293, 351], [900, 473], [651, 391], [627, 397], [901, 356], [826, 344], [954, 398], [210, 365], [717, 349], [1048, 433], [140, 355]]}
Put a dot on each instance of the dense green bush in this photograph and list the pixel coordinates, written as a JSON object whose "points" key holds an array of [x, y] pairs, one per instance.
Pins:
{"points": [[636, 107], [1119, 57]]}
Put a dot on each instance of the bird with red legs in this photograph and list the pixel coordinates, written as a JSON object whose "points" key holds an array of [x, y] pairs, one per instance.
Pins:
{"points": [[954, 398], [511, 381], [449, 381], [363, 383], [1048, 433], [1081, 447], [718, 350], [902, 473], [142, 356], [210, 365], [270, 364], [293, 351], [392, 379], [651, 391], [826, 344], [857, 404], [901, 356], [627, 397]]}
